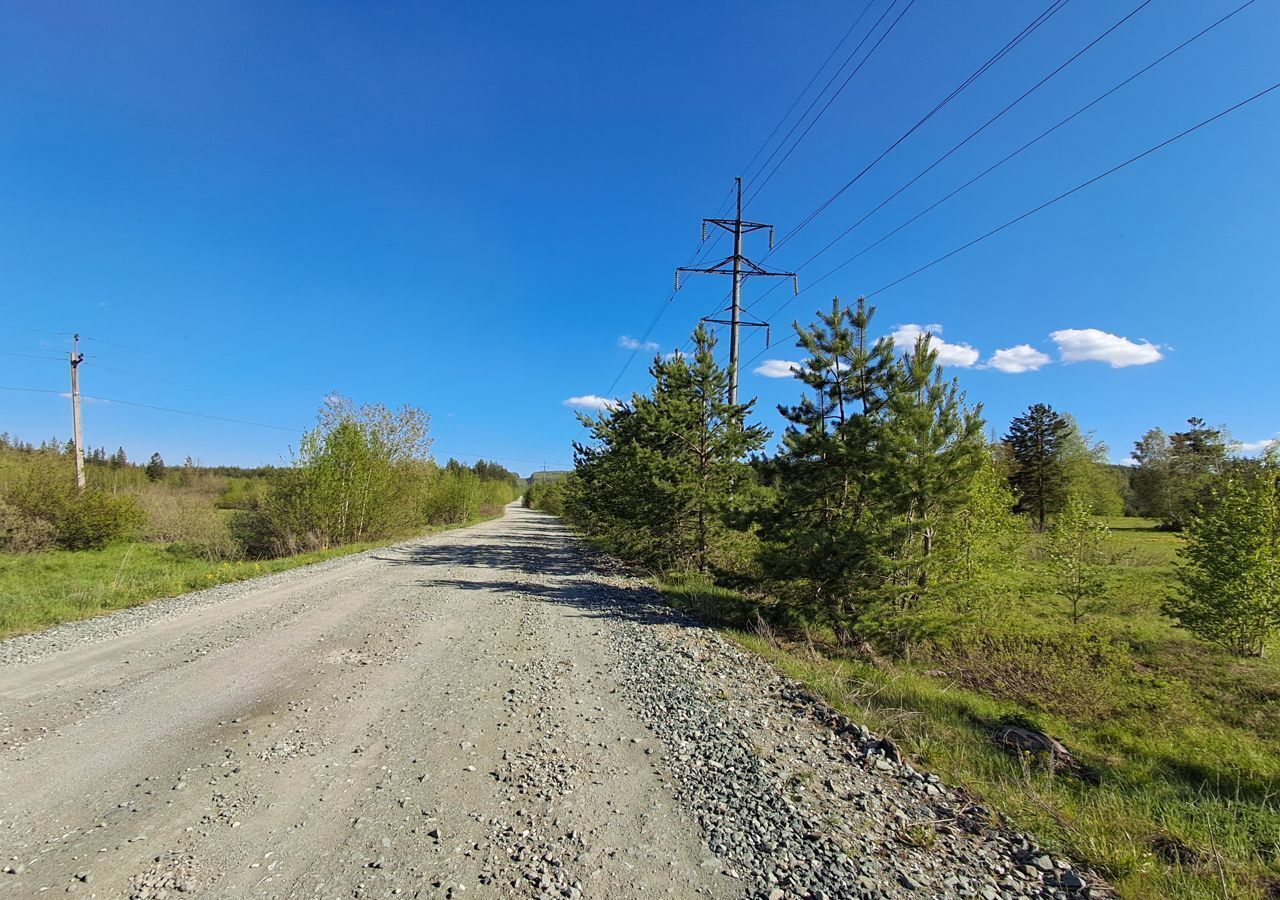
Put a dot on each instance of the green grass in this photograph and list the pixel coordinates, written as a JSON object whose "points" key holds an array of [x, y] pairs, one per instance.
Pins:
{"points": [[38, 590], [1180, 742]]}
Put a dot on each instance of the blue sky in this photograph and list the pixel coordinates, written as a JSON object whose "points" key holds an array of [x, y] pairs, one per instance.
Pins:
{"points": [[472, 208]]}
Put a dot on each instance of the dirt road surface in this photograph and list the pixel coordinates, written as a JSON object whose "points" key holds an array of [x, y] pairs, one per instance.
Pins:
{"points": [[490, 712]]}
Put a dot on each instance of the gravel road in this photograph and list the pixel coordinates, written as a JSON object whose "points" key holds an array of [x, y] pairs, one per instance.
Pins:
{"points": [[489, 712]]}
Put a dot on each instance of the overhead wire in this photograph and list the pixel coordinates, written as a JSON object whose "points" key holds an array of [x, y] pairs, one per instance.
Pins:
{"points": [[133, 349], [93, 363], [853, 53], [698, 255], [59, 354], [185, 412], [181, 412], [1015, 153], [702, 253], [31, 356], [1033, 26], [800, 96], [1046, 204], [1030, 28]]}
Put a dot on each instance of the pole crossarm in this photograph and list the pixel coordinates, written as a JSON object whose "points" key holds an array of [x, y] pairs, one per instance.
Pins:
{"points": [[731, 224], [768, 329], [740, 268], [725, 267]]}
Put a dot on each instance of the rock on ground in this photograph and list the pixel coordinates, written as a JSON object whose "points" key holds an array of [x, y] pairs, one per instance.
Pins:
{"points": [[491, 712]]}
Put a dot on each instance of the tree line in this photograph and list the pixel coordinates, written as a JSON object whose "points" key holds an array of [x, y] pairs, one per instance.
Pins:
{"points": [[887, 515], [364, 473]]}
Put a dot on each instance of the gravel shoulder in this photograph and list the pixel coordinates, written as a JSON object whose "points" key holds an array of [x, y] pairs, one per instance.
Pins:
{"points": [[489, 712]]}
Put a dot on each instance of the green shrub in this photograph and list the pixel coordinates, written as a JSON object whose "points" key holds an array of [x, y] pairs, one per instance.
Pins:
{"points": [[92, 519], [21, 533], [243, 493], [187, 516], [547, 496], [451, 497], [41, 486], [361, 475]]}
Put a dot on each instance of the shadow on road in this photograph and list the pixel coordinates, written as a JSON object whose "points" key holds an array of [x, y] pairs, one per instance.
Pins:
{"points": [[539, 545]]}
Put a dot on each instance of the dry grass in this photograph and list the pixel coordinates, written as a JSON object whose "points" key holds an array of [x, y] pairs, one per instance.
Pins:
{"points": [[187, 516]]}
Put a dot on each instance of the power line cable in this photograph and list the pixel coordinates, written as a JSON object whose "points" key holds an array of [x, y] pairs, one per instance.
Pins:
{"points": [[814, 102], [1010, 156], [805, 89], [181, 412], [1026, 32], [133, 349], [1009, 46], [90, 361], [1130, 161], [60, 354], [981, 128], [184, 412], [853, 53], [1045, 205], [720, 234], [662, 308], [33, 356], [699, 254], [755, 191]]}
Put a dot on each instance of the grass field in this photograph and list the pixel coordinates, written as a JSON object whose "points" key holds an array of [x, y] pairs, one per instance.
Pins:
{"points": [[1179, 742], [38, 590]]}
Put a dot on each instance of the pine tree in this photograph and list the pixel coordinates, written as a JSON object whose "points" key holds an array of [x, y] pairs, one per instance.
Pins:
{"points": [[1229, 574], [710, 436], [826, 529], [614, 489], [118, 459], [155, 467], [1039, 475], [934, 446], [658, 474], [1196, 457]]}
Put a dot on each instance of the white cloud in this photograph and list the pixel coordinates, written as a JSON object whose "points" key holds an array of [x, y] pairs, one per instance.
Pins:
{"points": [[777, 368], [591, 401], [675, 354], [630, 343], [1015, 360], [1251, 448], [1091, 344], [962, 355]]}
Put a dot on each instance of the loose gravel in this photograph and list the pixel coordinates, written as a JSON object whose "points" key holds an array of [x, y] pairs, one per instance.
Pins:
{"points": [[493, 712]]}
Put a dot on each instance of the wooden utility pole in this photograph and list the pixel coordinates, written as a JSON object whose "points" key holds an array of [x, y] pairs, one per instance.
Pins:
{"points": [[740, 268], [77, 434]]}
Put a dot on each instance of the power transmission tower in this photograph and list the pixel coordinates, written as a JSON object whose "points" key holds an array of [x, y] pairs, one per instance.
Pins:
{"points": [[740, 268], [77, 432]]}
